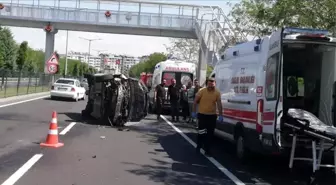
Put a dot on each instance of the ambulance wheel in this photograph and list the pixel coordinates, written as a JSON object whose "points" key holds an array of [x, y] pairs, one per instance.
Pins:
{"points": [[241, 149]]}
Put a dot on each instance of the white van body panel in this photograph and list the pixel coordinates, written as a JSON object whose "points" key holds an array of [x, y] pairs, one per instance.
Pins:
{"points": [[240, 94], [240, 99]]}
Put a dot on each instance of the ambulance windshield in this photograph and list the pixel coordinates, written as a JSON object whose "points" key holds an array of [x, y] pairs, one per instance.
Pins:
{"points": [[182, 78]]}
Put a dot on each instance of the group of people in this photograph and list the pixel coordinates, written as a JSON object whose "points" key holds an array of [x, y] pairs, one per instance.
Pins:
{"points": [[178, 98], [206, 100]]}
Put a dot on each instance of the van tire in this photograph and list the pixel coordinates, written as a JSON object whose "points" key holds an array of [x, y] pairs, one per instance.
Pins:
{"points": [[242, 151]]}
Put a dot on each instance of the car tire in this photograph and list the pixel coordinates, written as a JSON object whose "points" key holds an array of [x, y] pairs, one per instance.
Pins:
{"points": [[114, 107], [117, 110]]}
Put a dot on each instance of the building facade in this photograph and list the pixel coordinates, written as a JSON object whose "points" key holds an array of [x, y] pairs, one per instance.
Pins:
{"points": [[106, 62]]}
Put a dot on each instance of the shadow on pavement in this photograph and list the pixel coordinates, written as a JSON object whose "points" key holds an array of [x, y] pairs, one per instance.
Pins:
{"points": [[77, 117], [176, 163], [74, 116], [265, 169], [60, 99], [184, 166]]}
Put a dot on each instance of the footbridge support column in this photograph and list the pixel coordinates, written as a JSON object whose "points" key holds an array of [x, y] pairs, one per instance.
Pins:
{"points": [[48, 51], [49, 46], [202, 67]]}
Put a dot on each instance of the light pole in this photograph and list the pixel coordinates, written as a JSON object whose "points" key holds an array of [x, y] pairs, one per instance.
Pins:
{"points": [[90, 40], [66, 55]]}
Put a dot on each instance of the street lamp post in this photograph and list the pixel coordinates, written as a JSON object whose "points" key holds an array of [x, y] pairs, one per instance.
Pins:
{"points": [[90, 40], [66, 55]]}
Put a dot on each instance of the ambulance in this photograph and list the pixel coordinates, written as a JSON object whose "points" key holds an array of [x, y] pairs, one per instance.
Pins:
{"points": [[259, 80], [183, 72]]}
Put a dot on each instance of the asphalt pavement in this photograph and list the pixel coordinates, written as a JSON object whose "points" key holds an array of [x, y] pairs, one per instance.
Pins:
{"points": [[149, 152]]}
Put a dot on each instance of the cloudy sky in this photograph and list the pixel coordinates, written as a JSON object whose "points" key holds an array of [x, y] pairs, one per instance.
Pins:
{"points": [[113, 43]]}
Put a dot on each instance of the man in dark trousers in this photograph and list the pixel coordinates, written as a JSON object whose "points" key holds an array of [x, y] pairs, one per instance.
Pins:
{"points": [[196, 89], [159, 97], [208, 99], [174, 96]]}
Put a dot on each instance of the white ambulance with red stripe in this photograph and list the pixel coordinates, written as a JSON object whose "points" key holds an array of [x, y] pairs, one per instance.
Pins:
{"points": [[183, 72], [260, 79]]}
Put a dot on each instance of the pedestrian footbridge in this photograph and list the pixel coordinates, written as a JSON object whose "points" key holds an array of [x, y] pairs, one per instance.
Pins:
{"points": [[208, 24]]}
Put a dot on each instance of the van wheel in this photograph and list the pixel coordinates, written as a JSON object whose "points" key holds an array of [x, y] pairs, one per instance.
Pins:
{"points": [[241, 150]]}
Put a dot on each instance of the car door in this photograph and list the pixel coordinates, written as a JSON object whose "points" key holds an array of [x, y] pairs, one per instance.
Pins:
{"points": [[273, 84]]}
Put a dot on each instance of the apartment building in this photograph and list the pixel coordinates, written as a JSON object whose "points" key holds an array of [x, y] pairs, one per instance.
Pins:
{"points": [[119, 63], [106, 62]]}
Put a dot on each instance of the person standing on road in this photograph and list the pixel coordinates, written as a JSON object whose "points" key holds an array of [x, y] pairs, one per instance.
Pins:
{"points": [[207, 99], [174, 96], [196, 89], [159, 97], [184, 103]]}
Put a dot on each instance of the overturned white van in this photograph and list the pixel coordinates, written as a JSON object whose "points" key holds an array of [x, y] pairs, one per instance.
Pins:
{"points": [[262, 79]]}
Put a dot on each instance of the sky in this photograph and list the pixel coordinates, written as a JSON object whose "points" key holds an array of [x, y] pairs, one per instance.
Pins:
{"points": [[110, 43]]}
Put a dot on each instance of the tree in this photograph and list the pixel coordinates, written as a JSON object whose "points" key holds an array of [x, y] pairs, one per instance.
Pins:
{"points": [[32, 60], [148, 65], [22, 55], [184, 49], [209, 70], [8, 49], [35, 60], [75, 70], [21, 59], [260, 17]]}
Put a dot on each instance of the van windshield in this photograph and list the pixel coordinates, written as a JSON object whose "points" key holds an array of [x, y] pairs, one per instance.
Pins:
{"points": [[182, 78]]}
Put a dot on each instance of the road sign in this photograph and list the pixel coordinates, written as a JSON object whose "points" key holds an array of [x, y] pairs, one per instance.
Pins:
{"points": [[52, 68], [53, 59]]}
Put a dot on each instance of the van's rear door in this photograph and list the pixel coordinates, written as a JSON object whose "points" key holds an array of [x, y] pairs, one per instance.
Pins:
{"points": [[273, 86]]}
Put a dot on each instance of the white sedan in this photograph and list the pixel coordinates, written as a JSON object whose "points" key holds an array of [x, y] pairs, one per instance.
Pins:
{"points": [[67, 88]]}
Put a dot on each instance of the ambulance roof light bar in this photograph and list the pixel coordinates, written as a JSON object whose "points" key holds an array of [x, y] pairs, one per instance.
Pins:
{"points": [[306, 31], [306, 34]]}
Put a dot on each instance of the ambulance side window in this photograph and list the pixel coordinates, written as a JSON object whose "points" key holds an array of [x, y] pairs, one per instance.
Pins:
{"points": [[271, 86]]}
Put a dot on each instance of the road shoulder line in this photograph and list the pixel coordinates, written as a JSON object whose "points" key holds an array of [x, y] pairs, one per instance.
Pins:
{"points": [[21, 171], [23, 101]]}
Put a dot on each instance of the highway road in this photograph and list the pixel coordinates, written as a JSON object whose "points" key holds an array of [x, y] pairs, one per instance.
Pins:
{"points": [[148, 153]]}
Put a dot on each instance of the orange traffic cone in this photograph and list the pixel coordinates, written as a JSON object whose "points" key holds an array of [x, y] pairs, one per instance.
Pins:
{"points": [[52, 138]]}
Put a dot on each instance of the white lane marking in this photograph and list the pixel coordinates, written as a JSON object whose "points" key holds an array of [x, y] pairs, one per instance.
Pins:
{"points": [[67, 128], [21, 171], [23, 101], [211, 159]]}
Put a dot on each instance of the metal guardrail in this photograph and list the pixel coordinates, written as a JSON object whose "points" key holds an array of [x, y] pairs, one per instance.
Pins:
{"points": [[28, 83]]}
